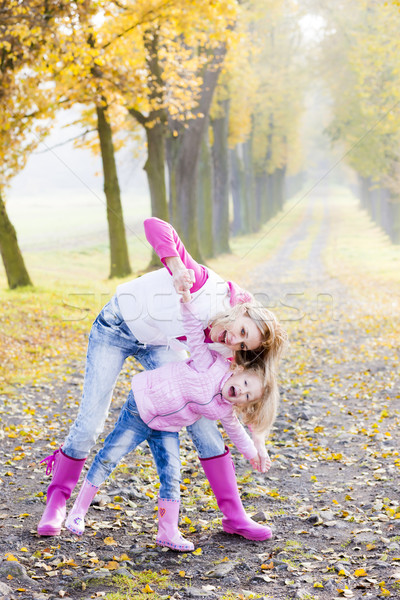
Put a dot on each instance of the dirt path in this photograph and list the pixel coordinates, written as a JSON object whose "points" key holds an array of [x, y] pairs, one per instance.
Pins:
{"points": [[331, 497]]}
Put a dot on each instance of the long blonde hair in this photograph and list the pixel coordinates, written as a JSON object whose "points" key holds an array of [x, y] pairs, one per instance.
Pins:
{"points": [[260, 414]]}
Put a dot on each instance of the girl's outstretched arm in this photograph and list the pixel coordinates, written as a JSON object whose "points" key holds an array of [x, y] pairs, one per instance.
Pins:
{"points": [[200, 354], [239, 436], [172, 253]]}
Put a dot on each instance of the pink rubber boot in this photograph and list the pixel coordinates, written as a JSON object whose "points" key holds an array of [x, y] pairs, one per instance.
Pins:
{"points": [[220, 472], [168, 532], [76, 519], [66, 474]]}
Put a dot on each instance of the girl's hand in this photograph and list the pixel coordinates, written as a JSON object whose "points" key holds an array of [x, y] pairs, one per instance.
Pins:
{"points": [[261, 464], [186, 297], [259, 442]]}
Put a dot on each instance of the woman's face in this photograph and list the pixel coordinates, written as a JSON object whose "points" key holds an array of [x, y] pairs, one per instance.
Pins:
{"points": [[239, 334]]}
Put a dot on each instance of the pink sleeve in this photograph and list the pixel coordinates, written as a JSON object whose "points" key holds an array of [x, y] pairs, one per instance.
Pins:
{"points": [[239, 436], [166, 242], [237, 294], [200, 354]]}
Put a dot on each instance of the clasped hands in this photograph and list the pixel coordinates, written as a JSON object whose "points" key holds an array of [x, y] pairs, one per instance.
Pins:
{"points": [[183, 279]]}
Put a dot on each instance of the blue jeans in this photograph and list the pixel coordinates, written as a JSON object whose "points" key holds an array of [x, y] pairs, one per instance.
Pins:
{"points": [[128, 433], [110, 343]]}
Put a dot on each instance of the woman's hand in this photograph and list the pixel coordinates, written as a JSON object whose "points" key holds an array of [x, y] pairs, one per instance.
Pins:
{"points": [[182, 278]]}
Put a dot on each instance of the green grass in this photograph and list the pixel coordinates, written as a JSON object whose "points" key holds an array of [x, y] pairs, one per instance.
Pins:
{"points": [[136, 587], [358, 249]]}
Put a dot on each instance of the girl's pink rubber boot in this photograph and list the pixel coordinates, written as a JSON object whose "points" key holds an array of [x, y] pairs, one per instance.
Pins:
{"points": [[66, 474], [168, 532], [76, 519], [220, 472]]}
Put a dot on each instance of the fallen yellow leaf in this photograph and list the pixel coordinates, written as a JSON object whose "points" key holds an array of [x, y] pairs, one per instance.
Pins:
{"points": [[109, 541], [70, 562], [360, 573], [147, 589], [197, 551]]}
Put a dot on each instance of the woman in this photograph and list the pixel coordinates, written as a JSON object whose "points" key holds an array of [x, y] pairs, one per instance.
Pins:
{"points": [[143, 320]]}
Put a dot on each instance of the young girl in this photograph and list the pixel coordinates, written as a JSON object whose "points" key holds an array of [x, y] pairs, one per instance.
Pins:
{"points": [[143, 320], [176, 395]]}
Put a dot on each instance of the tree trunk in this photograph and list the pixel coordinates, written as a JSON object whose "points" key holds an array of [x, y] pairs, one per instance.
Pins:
{"points": [[186, 190], [375, 208], [269, 184], [395, 220], [185, 147], [120, 266], [155, 170], [17, 274], [238, 192], [385, 219], [172, 148], [221, 181], [250, 200], [294, 183], [155, 126], [205, 199], [266, 212], [259, 196], [278, 184], [366, 193]]}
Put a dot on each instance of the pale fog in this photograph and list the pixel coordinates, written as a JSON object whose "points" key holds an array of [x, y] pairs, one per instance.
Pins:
{"points": [[58, 201]]}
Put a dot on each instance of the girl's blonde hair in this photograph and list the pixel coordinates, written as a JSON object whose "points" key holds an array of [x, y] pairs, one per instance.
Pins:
{"points": [[260, 414]]}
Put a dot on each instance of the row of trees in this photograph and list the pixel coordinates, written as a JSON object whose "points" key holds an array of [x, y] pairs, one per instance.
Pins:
{"points": [[216, 87], [360, 59]]}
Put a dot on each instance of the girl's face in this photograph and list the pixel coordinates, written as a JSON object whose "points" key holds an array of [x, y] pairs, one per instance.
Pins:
{"points": [[240, 334], [242, 387]]}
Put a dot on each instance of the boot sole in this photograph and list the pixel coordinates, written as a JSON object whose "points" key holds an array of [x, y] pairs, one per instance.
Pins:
{"points": [[48, 531], [248, 536], [174, 546], [74, 531]]}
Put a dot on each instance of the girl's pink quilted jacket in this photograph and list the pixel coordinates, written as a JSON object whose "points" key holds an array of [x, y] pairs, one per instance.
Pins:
{"points": [[179, 393]]}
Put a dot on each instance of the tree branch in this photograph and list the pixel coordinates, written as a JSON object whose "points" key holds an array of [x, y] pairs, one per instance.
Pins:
{"points": [[138, 116]]}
